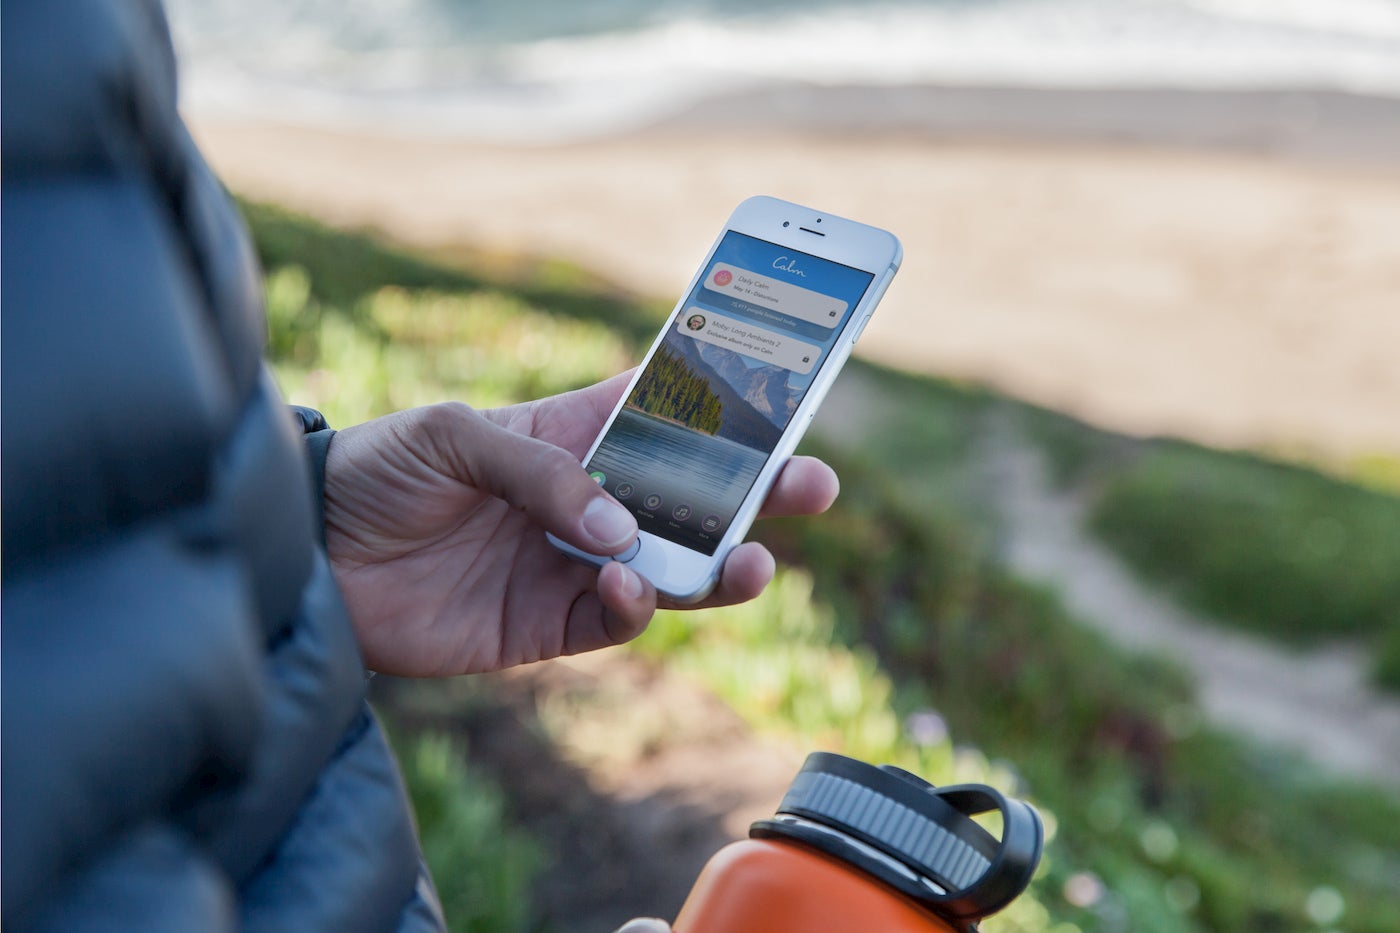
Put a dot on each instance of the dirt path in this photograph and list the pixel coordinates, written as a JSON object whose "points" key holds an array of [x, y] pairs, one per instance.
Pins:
{"points": [[1318, 702], [628, 773]]}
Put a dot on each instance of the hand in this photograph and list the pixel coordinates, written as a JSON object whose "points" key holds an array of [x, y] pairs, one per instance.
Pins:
{"points": [[435, 521]]}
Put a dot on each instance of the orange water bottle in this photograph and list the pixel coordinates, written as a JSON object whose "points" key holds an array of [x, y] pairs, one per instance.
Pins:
{"points": [[858, 849]]}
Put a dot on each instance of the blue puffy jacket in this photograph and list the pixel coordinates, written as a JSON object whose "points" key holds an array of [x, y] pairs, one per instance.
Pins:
{"points": [[186, 744]]}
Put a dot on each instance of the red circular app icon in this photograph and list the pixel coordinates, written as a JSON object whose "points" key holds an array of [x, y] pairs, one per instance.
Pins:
{"points": [[723, 277]]}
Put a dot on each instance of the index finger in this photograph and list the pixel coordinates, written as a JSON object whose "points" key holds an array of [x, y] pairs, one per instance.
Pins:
{"points": [[806, 486]]}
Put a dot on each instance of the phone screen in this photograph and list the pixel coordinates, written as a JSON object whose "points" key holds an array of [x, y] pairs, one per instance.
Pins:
{"points": [[715, 398]]}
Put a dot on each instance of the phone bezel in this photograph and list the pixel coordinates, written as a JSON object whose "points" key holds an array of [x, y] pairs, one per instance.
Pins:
{"points": [[687, 576]]}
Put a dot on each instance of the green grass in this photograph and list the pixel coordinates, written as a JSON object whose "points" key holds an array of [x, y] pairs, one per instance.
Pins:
{"points": [[1076, 452], [345, 267], [927, 443], [483, 867], [358, 330], [1283, 550], [397, 348], [896, 608], [1279, 549]]}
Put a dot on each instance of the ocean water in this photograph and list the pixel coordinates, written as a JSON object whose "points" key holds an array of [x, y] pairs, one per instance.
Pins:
{"points": [[555, 69]]}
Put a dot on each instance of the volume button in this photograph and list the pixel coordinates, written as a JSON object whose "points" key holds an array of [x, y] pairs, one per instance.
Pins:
{"points": [[861, 329]]}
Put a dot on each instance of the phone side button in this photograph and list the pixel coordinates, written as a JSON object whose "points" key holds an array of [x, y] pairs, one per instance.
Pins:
{"points": [[631, 552], [865, 320]]}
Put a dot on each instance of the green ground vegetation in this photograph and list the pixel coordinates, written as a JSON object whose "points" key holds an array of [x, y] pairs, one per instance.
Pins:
{"points": [[1276, 548], [483, 866], [1287, 551], [1178, 821], [891, 615], [1279, 549]]}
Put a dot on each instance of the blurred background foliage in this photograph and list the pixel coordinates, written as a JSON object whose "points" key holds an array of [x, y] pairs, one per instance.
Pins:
{"points": [[892, 634], [483, 866]]}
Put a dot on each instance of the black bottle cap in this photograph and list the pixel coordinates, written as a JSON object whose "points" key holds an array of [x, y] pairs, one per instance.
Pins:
{"points": [[909, 834]]}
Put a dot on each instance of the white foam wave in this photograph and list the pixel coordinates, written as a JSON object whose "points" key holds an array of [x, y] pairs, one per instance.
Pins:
{"points": [[1071, 42], [1370, 19], [428, 79]]}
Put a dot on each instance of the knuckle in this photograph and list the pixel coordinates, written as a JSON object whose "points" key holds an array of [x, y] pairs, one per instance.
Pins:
{"points": [[555, 466], [446, 416]]}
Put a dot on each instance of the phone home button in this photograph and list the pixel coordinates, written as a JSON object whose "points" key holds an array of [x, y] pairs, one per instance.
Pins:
{"points": [[631, 552]]}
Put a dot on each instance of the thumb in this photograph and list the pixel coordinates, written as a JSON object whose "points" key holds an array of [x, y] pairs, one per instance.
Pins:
{"points": [[542, 480]]}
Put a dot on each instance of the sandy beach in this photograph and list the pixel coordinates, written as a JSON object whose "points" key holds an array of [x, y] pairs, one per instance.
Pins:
{"points": [[1240, 287]]}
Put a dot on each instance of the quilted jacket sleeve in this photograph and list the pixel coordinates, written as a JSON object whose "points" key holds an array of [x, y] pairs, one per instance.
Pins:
{"points": [[186, 744]]}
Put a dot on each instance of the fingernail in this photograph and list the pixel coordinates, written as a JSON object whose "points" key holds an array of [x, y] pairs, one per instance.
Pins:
{"points": [[631, 583], [645, 925], [608, 523]]}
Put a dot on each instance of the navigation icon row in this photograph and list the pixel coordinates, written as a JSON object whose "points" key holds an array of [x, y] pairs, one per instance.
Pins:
{"points": [[653, 502]]}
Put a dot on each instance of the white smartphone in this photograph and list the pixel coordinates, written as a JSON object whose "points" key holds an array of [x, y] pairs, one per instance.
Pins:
{"points": [[731, 383]]}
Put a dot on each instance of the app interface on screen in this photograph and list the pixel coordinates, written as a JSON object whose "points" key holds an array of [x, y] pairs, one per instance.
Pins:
{"points": [[714, 400]]}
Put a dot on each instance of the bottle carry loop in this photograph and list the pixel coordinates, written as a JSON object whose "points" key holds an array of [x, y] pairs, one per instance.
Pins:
{"points": [[918, 838]]}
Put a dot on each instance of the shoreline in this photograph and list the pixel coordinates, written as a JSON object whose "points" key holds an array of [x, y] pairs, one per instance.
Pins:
{"points": [[628, 406], [1326, 126], [1223, 295], [1321, 125]]}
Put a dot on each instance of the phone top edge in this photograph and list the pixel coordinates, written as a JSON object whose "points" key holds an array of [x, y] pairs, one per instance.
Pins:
{"points": [[860, 245]]}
